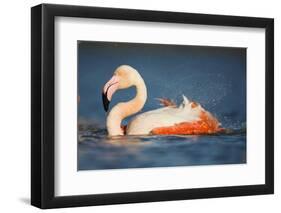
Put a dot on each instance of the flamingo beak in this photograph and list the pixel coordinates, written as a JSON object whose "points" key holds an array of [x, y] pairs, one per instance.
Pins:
{"points": [[105, 102], [108, 90]]}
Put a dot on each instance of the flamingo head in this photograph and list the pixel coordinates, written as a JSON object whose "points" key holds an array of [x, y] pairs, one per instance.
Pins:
{"points": [[124, 77]]}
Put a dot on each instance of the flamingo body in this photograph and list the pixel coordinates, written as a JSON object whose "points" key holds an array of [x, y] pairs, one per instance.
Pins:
{"points": [[188, 118]]}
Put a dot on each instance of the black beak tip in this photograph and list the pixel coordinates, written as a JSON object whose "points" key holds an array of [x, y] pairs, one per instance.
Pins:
{"points": [[105, 102]]}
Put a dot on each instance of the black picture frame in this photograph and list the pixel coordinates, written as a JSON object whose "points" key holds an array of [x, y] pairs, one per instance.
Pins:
{"points": [[43, 117]]}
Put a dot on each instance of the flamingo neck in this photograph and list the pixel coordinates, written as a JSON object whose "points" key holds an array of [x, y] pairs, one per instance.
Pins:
{"points": [[125, 109]]}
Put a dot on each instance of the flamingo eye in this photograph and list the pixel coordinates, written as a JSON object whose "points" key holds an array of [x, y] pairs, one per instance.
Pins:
{"points": [[194, 104]]}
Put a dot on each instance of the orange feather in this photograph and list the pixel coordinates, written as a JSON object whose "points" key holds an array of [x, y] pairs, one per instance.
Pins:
{"points": [[206, 125]]}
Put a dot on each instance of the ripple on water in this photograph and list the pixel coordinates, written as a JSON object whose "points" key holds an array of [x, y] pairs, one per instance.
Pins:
{"points": [[97, 151]]}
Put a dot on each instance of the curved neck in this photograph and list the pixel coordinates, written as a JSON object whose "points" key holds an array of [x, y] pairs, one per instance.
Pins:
{"points": [[125, 109]]}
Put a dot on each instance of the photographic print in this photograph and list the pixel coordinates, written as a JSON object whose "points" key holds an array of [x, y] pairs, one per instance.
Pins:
{"points": [[134, 95], [159, 105]]}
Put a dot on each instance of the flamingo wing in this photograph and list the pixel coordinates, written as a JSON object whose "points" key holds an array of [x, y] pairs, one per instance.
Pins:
{"points": [[166, 102], [206, 125]]}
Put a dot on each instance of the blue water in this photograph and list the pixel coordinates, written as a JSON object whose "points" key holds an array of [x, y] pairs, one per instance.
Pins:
{"points": [[213, 76], [97, 151]]}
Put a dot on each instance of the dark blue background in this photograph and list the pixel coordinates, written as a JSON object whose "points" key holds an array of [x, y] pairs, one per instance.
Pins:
{"points": [[213, 76]]}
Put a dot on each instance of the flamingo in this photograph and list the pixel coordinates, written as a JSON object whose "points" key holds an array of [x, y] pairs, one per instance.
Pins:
{"points": [[186, 119]]}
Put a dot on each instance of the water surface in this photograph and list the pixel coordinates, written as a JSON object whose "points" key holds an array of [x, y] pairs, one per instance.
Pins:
{"points": [[97, 151]]}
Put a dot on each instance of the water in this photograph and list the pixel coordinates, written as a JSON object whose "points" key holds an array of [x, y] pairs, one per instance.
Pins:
{"points": [[97, 151], [215, 77]]}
